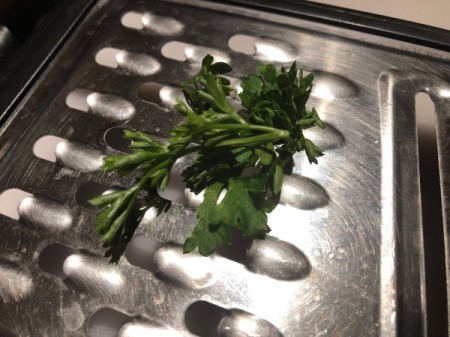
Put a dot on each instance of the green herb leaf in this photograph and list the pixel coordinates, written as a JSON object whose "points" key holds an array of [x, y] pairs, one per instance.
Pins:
{"points": [[242, 155]]}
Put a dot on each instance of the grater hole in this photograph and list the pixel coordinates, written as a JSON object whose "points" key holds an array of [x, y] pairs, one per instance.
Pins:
{"points": [[181, 51], [108, 57], [77, 99], [107, 322], [303, 193], [52, 257], [175, 190], [9, 201], [115, 139], [243, 44], [203, 318], [264, 48], [91, 274], [237, 250], [433, 225], [44, 214], [327, 138], [159, 24], [329, 86], [150, 92], [130, 62], [141, 250], [104, 105], [186, 270], [175, 50], [88, 191], [132, 20], [78, 156], [160, 94], [277, 259], [45, 147], [241, 323]]}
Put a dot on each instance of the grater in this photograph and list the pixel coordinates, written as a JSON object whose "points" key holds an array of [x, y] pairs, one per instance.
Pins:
{"points": [[347, 252]]}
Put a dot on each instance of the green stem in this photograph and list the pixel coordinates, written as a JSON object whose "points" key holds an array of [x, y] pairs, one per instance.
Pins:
{"points": [[149, 174], [255, 140], [246, 126]]}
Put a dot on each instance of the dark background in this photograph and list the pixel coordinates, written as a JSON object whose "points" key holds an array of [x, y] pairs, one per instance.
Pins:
{"points": [[21, 16]]}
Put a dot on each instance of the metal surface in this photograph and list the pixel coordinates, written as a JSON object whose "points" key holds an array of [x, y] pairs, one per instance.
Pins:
{"points": [[27, 62], [345, 255]]}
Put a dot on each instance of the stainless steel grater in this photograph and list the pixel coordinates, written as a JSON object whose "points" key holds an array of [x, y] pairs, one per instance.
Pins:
{"points": [[346, 255]]}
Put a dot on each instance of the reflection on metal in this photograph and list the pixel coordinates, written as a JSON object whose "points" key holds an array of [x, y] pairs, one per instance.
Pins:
{"points": [[45, 146], [130, 62], [190, 270], [329, 86], [240, 323], [327, 138], [278, 259], [264, 49], [161, 25], [104, 105], [78, 157], [92, 274], [302, 192], [9, 200], [136, 329], [15, 283], [344, 256], [194, 54], [45, 214]]}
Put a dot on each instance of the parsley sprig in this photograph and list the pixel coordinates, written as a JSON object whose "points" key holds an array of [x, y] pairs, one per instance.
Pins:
{"points": [[261, 139]]}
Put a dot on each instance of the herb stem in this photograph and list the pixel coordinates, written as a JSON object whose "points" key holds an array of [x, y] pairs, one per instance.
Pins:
{"points": [[256, 140], [247, 126]]}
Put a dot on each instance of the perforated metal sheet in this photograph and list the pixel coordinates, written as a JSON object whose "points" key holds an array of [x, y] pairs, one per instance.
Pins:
{"points": [[345, 255]]}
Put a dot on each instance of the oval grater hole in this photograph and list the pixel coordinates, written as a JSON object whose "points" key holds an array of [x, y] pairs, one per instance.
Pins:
{"points": [[175, 190], [162, 25], [203, 318], [45, 147], [114, 137], [132, 20], [175, 50], [277, 259], [52, 257], [107, 322], [237, 250], [186, 270], [264, 48], [160, 94], [9, 200], [41, 213], [241, 323], [243, 44], [194, 54], [140, 252], [150, 92], [108, 57], [104, 105], [88, 191], [77, 99], [130, 62], [329, 86]]}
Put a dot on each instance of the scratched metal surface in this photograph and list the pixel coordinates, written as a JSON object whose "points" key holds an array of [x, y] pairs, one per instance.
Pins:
{"points": [[344, 257]]}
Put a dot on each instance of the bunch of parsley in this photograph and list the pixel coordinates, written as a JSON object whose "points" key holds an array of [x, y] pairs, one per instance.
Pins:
{"points": [[261, 139]]}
